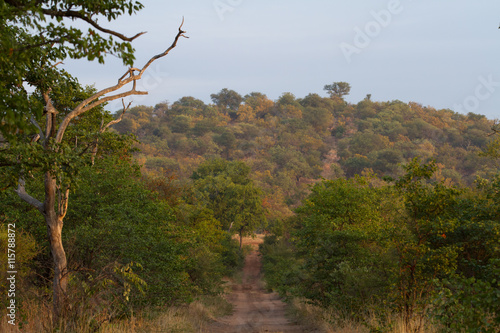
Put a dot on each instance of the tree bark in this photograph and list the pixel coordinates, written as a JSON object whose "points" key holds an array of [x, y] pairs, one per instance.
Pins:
{"points": [[54, 222]]}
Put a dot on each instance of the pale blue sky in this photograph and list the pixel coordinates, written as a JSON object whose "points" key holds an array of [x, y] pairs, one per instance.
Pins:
{"points": [[440, 53]]}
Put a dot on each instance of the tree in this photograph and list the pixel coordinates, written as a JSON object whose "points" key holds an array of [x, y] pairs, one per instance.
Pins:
{"points": [[316, 101], [414, 247], [246, 113], [335, 240], [244, 203], [227, 99], [338, 89], [419, 238], [187, 106], [230, 194], [319, 118], [180, 124], [227, 140], [31, 48], [288, 98], [259, 103]]}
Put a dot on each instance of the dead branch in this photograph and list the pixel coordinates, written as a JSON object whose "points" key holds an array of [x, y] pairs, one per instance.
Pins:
{"points": [[96, 99], [104, 128], [174, 44], [116, 121]]}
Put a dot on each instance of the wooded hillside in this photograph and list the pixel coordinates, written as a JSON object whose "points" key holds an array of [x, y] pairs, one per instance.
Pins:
{"points": [[293, 142]]}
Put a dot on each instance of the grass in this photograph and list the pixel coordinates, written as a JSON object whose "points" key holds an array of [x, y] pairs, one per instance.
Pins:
{"points": [[331, 320], [191, 318]]}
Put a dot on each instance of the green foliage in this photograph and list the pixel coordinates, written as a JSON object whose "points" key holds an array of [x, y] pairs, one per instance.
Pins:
{"points": [[232, 258], [335, 237], [493, 149], [31, 44], [288, 98], [418, 248], [493, 146], [180, 124], [225, 189], [282, 269], [115, 217], [319, 118], [227, 140], [126, 246], [467, 305]]}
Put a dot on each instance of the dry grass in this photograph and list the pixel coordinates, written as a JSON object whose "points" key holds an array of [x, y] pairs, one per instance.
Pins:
{"points": [[34, 317], [190, 318], [327, 320]]}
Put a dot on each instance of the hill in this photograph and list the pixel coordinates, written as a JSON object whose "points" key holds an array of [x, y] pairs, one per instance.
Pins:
{"points": [[293, 142]]}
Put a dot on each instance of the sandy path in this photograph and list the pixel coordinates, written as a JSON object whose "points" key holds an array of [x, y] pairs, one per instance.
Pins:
{"points": [[255, 310]]}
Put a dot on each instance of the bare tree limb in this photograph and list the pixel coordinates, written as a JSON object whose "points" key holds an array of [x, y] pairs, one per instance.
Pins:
{"points": [[21, 192], [40, 131], [94, 100], [104, 128], [57, 64], [116, 121], [130, 72], [112, 98], [174, 44]]}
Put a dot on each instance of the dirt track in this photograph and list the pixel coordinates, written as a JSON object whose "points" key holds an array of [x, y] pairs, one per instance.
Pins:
{"points": [[255, 310]]}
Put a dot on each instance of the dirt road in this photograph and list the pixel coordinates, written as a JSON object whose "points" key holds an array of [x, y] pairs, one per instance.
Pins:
{"points": [[255, 310]]}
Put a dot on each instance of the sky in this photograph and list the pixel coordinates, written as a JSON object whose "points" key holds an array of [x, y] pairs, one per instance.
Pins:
{"points": [[440, 53]]}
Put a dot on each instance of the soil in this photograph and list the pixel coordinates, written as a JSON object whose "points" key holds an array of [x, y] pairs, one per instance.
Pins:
{"points": [[254, 309]]}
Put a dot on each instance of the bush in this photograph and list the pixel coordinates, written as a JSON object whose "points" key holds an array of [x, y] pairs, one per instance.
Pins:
{"points": [[232, 258], [467, 305]]}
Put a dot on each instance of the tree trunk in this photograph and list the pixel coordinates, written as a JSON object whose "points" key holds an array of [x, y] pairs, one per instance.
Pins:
{"points": [[241, 238], [54, 232]]}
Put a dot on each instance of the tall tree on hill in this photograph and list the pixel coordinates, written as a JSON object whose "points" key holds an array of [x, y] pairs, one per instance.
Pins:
{"points": [[36, 37], [228, 100], [338, 89]]}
